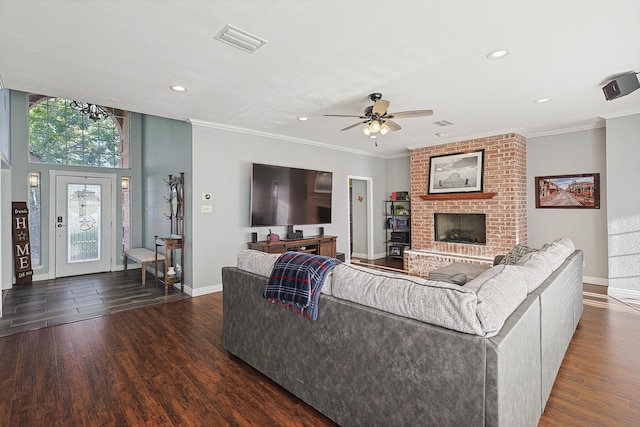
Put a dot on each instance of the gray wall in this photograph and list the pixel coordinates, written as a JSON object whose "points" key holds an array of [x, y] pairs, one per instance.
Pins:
{"points": [[623, 152], [166, 149], [398, 175], [563, 154], [222, 166], [5, 128]]}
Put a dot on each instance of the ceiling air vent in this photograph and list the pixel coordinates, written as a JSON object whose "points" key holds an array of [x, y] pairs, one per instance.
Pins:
{"points": [[443, 123], [239, 38]]}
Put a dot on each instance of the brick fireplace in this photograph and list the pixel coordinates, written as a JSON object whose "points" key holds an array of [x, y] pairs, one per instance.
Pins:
{"points": [[503, 202]]}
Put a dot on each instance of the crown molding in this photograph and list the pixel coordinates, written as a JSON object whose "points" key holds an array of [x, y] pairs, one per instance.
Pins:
{"points": [[618, 115], [468, 137], [252, 132]]}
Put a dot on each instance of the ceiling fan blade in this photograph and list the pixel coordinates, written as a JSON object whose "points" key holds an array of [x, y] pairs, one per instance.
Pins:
{"points": [[380, 107], [344, 115], [392, 125], [409, 114], [352, 126]]}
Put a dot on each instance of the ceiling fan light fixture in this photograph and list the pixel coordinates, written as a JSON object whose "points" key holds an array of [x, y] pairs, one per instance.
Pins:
{"points": [[366, 130], [384, 129], [374, 126]]}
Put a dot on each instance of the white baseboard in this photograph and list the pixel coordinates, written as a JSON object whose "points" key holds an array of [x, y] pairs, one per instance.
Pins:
{"points": [[623, 293], [595, 281], [359, 255], [197, 292]]}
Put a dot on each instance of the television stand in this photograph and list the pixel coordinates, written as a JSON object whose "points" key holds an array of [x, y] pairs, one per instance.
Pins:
{"points": [[319, 245]]}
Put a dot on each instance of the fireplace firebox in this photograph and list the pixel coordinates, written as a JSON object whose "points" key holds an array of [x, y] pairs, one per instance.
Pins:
{"points": [[461, 228]]}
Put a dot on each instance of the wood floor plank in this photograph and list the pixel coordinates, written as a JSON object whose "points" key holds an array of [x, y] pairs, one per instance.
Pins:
{"points": [[165, 365]]}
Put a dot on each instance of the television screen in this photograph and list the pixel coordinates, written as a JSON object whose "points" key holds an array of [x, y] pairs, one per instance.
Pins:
{"points": [[289, 196]]}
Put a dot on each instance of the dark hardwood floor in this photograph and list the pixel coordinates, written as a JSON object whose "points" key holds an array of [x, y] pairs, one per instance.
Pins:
{"points": [[165, 365], [69, 299]]}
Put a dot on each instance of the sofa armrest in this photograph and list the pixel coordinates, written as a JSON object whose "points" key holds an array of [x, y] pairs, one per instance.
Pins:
{"points": [[497, 259]]}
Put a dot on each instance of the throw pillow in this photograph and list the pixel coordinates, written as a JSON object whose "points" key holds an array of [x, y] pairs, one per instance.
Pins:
{"points": [[456, 279], [517, 252]]}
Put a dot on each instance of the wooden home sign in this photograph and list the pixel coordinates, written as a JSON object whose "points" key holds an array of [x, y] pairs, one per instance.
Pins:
{"points": [[21, 243]]}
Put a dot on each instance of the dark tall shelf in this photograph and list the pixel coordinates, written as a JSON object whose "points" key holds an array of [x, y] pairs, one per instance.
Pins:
{"points": [[397, 216], [172, 246]]}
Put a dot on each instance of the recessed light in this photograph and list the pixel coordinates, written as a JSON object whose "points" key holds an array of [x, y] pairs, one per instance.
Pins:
{"points": [[542, 100], [178, 88], [497, 54], [303, 119]]}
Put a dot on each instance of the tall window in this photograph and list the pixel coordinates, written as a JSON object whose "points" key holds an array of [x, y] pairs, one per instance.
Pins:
{"points": [[34, 217], [60, 134]]}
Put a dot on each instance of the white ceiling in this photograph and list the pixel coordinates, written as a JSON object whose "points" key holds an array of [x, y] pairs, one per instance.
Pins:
{"points": [[325, 57]]}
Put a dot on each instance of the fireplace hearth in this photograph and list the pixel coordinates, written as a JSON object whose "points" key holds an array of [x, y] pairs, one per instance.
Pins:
{"points": [[460, 228]]}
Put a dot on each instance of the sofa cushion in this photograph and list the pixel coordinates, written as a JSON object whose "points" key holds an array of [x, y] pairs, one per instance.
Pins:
{"points": [[456, 279], [500, 290], [438, 303], [256, 262], [517, 252], [262, 263], [535, 268], [556, 252]]}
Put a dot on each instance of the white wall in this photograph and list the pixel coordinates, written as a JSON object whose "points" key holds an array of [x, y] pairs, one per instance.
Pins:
{"points": [[565, 154], [222, 166], [623, 154]]}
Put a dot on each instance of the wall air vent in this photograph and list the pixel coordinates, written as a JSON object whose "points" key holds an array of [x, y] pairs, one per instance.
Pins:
{"points": [[443, 123], [239, 38]]}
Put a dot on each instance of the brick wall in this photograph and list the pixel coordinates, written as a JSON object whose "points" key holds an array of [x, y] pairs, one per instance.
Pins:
{"points": [[506, 213]]}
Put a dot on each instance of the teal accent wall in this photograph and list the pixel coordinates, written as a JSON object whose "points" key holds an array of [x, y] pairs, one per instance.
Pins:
{"points": [[166, 149]]}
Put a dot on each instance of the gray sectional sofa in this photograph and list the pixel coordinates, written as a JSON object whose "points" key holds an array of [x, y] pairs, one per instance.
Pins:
{"points": [[395, 350]]}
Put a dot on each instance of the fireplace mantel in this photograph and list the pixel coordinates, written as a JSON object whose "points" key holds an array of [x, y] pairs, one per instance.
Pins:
{"points": [[457, 196]]}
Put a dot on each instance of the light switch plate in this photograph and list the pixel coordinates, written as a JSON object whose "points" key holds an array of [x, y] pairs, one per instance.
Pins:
{"points": [[207, 209]]}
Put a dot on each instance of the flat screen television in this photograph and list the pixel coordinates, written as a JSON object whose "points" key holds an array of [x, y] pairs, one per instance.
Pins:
{"points": [[289, 196]]}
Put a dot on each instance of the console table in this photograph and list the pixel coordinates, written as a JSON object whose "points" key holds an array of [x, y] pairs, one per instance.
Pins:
{"points": [[320, 245]]}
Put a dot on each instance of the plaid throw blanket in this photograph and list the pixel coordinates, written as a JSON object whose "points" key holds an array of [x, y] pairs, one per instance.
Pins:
{"points": [[296, 281]]}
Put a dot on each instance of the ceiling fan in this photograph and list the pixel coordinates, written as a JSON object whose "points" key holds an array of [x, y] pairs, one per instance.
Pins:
{"points": [[376, 118]]}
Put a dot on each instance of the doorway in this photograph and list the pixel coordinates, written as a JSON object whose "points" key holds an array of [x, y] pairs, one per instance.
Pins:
{"points": [[360, 217], [82, 227]]}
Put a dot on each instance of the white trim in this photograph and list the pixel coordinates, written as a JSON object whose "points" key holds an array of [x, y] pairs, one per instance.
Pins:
{"points": [[462, 138], [595, 281], [369, 182], [618, 115], [622, 293], [53, 174], [246, 131], [197, 292]]}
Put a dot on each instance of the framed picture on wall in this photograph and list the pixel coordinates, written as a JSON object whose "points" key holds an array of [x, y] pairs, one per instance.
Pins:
{"points": [[456, 173], [580, 191]]}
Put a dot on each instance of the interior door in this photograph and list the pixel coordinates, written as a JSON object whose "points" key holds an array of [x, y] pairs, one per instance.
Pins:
{"points": [[83, 225]]}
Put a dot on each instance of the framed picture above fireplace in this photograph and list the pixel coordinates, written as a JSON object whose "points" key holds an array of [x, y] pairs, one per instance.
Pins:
{"points": [[456, 173], [580, 191]]}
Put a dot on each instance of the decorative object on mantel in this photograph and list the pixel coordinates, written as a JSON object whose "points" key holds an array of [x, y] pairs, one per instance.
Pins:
{"points": [[579, 191], [456, 173]]}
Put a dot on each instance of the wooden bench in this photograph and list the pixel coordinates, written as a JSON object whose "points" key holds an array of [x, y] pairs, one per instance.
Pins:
{"points": [[142, 256]]}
